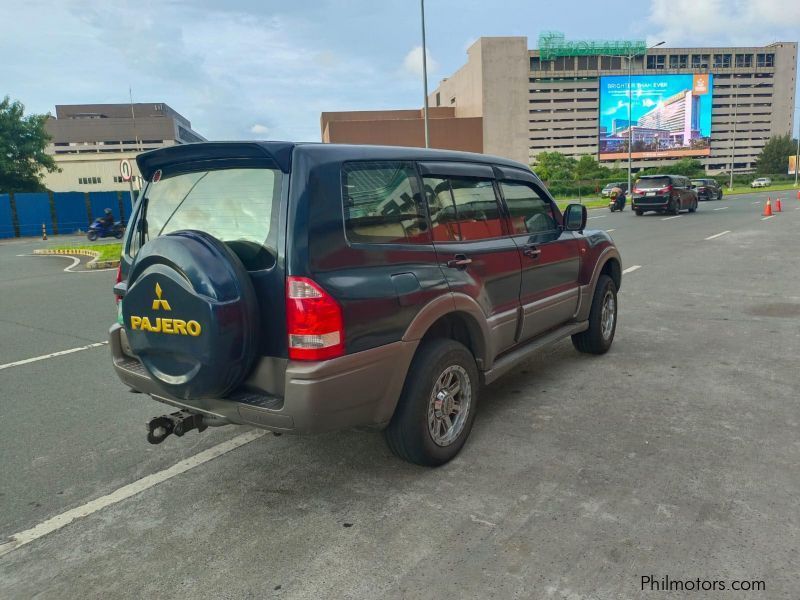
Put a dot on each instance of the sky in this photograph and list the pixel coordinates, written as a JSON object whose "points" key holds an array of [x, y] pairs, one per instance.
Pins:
{"points": [[260, 69]]}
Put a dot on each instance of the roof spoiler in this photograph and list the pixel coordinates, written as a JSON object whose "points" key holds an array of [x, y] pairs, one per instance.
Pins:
{"points": [[279, 153]]}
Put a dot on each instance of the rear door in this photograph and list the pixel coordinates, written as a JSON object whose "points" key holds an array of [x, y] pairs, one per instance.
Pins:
{"points": [[549, 256], [478, 257]]}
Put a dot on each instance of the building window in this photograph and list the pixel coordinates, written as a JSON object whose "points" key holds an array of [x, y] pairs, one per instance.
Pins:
{"points": [[765, 60], [587, 63], [722, 61], [438, 99], [678, 61], [656, 61], [700, 61], [536, 63], [744, 60], [611, 63], [565, 63], [453, 100]]}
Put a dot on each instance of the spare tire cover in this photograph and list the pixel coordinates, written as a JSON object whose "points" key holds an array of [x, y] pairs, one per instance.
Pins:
{"points": [[191, 315]]}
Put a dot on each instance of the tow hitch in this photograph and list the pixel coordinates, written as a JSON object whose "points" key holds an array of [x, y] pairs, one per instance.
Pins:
{"points": [[159, 428]]}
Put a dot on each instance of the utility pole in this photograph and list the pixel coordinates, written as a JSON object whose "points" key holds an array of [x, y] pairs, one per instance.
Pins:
{"points": [[797, 153], [630, 58], [424, 74], [735, 112]]}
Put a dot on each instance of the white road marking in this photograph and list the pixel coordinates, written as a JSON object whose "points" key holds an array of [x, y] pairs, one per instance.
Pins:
{"points": [[126, 491], [716, 235], [765, 218], [52, 355], [722, 208], [631, 269], [756, 202], [610, 230], [475, 519], [599, 217], [674, 217], [76, 262]]}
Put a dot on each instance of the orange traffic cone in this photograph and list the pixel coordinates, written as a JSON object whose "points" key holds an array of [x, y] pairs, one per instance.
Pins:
{"points": [[44, 232], [798, 194], [767, 209], [777, 205]]}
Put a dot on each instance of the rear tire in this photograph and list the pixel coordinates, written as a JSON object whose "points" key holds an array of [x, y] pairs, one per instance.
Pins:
{"points": [[418, 431], [675, 207], [597, 339], [693, 208], [639, 213]]}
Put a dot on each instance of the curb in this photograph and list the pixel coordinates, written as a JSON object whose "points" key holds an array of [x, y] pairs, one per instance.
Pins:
{"points": [[92, 264]]}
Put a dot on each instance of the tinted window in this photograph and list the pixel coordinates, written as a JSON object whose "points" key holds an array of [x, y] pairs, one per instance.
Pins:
{"points": [[234, 205], [530, 213], [380, 205], [462, 208], [653, 182]]}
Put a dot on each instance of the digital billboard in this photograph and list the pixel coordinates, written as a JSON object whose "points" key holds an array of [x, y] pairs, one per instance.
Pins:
{"points": [[670, 116]]}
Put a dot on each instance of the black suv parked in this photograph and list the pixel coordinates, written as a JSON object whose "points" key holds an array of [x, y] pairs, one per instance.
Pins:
{"points": [[312, 287], [707, 189], [663, 193]]}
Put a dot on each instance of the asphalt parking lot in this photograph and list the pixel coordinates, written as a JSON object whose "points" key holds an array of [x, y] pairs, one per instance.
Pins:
{"points": [[676, 454]]}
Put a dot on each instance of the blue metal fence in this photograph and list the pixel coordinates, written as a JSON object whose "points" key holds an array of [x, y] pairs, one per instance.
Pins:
{"points": [[6, 220], [22, 214], [33, 210], [71, 212]]}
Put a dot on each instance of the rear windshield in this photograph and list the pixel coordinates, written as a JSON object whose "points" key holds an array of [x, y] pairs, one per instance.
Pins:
{"points": [[698, 182], [235, 205], [653, 182]]}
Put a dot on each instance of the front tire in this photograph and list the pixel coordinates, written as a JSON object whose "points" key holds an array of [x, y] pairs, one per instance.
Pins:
{"points": [[598, 337], [437, 407], [91, 235]]}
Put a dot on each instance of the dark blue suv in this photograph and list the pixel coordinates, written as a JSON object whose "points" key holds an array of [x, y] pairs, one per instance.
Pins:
{"points": [[313, 287]]}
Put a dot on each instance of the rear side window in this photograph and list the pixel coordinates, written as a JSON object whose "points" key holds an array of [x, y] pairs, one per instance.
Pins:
{"points": [[463, 209], [530, 213], [381, 205]]}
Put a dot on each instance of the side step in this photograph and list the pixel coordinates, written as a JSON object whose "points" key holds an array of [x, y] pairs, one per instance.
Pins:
{"points": [[505, 363]]}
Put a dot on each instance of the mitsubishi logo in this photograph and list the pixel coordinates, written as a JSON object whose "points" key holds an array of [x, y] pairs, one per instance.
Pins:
{"points": [[159, 302]]}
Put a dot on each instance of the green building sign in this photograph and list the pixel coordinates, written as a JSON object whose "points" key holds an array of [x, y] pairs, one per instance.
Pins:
{"points": [[553, 44]]}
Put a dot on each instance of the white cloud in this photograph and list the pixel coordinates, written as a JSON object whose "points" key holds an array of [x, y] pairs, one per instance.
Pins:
{"points": [[412, 63], [723, 22], [260, 129]]}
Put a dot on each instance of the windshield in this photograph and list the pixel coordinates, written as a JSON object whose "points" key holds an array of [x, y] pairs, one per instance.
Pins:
{"points": [[234, 205], [653, 182]]}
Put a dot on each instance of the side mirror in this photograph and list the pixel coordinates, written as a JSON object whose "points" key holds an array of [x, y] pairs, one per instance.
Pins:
{"points": [[575, 217]]}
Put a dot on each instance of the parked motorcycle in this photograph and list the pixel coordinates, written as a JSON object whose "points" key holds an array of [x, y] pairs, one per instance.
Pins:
{"points": [[100, 229]]}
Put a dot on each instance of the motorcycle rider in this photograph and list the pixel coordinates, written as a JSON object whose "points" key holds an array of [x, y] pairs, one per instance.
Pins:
{"points": [[107, 220], [617, 194]]}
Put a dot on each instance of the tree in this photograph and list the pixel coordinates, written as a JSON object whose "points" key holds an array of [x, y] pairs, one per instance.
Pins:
{"points": [[774, 157], [689, 167], [23, 144], [554, 166]]}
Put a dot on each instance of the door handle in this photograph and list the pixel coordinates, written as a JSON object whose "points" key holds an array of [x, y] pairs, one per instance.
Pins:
{"points": [[531, 251], [459, 261]]}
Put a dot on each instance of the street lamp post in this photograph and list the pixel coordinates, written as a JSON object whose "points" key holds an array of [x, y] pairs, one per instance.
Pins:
{"points": [[424, 74], [630, 58]]}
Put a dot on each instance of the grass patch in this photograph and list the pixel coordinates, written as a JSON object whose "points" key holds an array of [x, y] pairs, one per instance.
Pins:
{"points": [[746, 189], [107, 251], [588, 203]]}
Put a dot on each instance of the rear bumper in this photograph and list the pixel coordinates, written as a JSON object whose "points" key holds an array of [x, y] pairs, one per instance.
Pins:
{"points": [[650, 204], [356, 390]]}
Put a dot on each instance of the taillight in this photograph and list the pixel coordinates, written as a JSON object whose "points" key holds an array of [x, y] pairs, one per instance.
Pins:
{"points": [[637, 191], [665, 190], [314, 321], [119, 279]]}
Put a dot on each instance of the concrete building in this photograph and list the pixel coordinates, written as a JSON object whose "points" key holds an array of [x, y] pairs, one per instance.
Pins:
{"points": [[89, 140], [530, 101], [404, 128]]}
